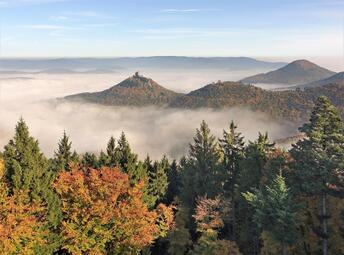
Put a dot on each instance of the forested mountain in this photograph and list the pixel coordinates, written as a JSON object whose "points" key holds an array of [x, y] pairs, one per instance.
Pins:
{"points": [[225, 196], [297, 72], [134, 91], [294, 105], [336, 78]]}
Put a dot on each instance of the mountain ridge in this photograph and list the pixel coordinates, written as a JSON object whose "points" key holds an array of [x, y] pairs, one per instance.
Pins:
{"points": [[167, 62], [336, 78], [291, 105], [297, 72]]}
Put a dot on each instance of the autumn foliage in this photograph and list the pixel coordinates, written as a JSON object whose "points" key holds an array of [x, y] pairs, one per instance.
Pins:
{"points": [[21, 224], [103, 211]]}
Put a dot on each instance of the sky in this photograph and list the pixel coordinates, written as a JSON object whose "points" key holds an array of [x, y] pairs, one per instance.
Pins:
{"points": [[266, 29]]}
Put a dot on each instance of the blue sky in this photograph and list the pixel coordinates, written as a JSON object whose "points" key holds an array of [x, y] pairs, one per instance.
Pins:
{"points": [[259, 28]]}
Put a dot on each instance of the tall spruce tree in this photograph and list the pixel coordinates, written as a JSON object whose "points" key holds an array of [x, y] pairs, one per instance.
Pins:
{"points": [[64, 155], [250, 176], [201, 170], [126, 159], [156, 182], [319, 161], [173, 179], [111, 153], [179, 238], [200, 173], [275, 211], [27, 169], [90, 160], [103, 160], [232, 146]]}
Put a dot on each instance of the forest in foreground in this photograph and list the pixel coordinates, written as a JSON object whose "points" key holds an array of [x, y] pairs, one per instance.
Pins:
{"points": [[226, 196]]}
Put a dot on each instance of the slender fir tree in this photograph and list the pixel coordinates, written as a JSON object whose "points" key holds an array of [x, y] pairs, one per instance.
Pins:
{"points": [[173, 179], [64, 154], [27, 169], [319, 160], [111, 153], [275, 211], [232, 146], [201, 170], [250, 176]]}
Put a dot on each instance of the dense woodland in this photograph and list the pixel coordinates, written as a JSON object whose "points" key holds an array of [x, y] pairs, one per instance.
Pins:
{"points": [[226, 196], [290, 105]]}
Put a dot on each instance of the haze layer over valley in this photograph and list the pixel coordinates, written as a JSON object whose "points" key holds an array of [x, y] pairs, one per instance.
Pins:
{"points": [[149, 130]]}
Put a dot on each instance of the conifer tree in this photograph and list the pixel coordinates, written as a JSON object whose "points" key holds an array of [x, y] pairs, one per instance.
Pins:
{"points": [[156, 180], [27, 169], [251, 175], [111, 152], [179, 238], [232, 146], [25, 164], [173, 179], [90, 160], [127, 160], [201, 170], [319, 160], [275, 211], [64, 155], [103, 159]]}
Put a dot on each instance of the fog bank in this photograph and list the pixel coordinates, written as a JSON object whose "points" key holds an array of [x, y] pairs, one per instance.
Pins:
{"points": [[150, 130]]}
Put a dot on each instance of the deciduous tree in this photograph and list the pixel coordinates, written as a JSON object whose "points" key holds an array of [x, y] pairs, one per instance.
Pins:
{"points": [[103, 212]]}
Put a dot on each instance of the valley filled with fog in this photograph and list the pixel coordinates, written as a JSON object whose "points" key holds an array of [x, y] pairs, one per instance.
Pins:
{"points": [[149, 130]]}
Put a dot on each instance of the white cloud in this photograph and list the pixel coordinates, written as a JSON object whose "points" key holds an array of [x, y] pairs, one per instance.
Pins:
{"points": [[83, 13], [187, 10], [100, 25], [49, 27], [181, 10], [59, 18], [189, 32], [86, 14], [28, 2], [56, 29]]}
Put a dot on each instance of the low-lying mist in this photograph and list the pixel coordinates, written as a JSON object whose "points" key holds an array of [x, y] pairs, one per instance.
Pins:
{"points": [[150, 130]]}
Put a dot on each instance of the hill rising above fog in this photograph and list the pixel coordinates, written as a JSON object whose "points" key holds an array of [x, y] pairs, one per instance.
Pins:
{"points": [[297, 72], [292, 105], [134, 91], [336, 78]]}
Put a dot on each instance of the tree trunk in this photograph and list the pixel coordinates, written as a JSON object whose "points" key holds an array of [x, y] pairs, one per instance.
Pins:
{"points": [[324, 224], [233, 219], [284, 249]]}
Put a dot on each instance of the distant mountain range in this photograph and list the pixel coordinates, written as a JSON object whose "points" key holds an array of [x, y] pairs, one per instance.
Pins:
{"points": [[167, 62], [297, 72], [57, 71], [293, 105]]}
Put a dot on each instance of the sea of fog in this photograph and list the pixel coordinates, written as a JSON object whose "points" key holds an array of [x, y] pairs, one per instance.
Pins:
{"points": [[150, 130]]}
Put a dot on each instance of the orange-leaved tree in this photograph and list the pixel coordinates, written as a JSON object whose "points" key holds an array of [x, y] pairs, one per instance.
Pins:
{"points": [[21, 221], [104, 213]]}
